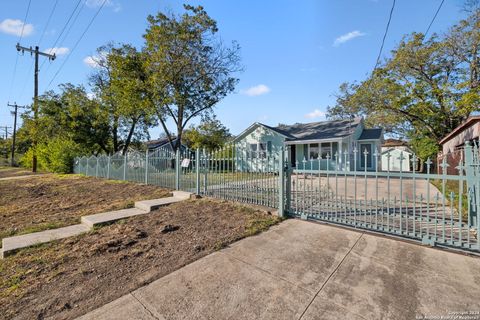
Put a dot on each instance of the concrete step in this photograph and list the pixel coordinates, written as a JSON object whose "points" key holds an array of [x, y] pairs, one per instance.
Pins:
{"points": [[12, 244], [111, 216], [149, 205]]}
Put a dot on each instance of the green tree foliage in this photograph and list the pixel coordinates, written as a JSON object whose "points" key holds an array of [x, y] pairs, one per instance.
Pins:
{"points": [[190, 69], [423, 91], [209, 134], [55, 155], [121, 89]]}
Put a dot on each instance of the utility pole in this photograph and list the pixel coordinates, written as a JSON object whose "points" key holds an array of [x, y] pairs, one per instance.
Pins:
{"points": [[14, 129], [37, 53], [6, 137]]}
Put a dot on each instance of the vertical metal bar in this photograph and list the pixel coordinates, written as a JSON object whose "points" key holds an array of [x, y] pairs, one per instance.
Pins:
{"points": [[376, 187], [365, 153], [414, 165], [108, 167], [197, 171], [388, 189], [355, 151], [296, 186], [460, 201], [146, 166], [281, 184], [96, 168], [177, 169], [451, 216], [428, 163], [401, 190], [125, 167], [444, 181], [288, 181]]}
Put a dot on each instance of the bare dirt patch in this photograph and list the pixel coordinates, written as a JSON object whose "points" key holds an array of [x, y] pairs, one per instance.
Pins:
{"points": [[7, 172], [68, 278], [53, 201]]}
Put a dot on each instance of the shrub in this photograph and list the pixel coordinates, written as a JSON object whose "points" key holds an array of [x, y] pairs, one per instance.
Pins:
{"points": [[56, 155]]}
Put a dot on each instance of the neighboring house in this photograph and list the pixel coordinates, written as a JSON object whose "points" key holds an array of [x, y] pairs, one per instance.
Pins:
{"points": [[453, 144], [339, 143], [392, 152], [162, 142]]}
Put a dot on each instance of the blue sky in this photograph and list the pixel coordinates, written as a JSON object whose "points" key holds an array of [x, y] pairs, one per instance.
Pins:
{"points": [[295, 53]]}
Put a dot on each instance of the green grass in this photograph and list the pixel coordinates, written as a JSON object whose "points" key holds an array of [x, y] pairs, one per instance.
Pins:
{"points": [[453, 186], [259, 223]]}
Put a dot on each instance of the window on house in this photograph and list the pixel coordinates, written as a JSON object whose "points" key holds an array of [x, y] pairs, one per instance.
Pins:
{"points": [[326, 149], [262, 154], [335, 150], [305, 152], [313, 153], [253, 150], [269, 146]]}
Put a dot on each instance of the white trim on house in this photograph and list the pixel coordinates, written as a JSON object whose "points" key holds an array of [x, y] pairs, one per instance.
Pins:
{"points": [[253, 127], [314, 141]]}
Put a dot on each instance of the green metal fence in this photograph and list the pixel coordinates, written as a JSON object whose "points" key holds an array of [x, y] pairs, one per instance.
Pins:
{"points": [[222, 173], [436, 209]]}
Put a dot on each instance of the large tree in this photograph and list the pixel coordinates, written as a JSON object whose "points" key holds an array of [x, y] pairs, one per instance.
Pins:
{"points": [[190, 69], [424, 90], [120, 87]]}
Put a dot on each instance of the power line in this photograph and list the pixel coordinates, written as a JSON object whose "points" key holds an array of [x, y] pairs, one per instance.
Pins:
{"points": [[64, 27], [434, 17], [78, 41], [66, 33], [48, 22], [16, 57], [384, 36], [25, 20]]}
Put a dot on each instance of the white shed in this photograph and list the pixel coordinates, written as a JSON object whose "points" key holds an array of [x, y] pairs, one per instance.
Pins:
{"points": [[391, 158]]}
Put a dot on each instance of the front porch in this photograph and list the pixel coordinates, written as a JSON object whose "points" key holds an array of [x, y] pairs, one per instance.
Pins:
{"points": [[340, 155]]}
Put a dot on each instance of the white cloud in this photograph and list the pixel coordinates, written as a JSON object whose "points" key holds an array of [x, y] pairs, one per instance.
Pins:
{"points": [[91, 61], [58, 51], [108, 3], [91, 95], [315, 114], [347, 37], [256, 90], [14, 26]]}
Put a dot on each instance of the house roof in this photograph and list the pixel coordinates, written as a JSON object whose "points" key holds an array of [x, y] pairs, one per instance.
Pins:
{"points": [[395, 143], [152, 144], [319, 130], [371, 134], [468, 123]]}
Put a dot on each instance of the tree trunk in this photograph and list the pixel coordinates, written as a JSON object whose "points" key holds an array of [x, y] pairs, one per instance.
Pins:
{"points": [[129, 137]]}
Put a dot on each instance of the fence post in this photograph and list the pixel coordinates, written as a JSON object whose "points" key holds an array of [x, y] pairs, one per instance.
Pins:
{"points": [[86, 168], [288, 180], [281, 186], [177, 169], [146, 166], [108, 167], [471, 188], [96, 169], [125, 167], [197, 170], [205, 170]]}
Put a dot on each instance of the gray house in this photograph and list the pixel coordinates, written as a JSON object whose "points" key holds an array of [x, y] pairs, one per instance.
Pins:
{"points": [[339, 143]]}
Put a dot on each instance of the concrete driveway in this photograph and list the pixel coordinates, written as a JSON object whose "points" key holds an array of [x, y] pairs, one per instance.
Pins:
{"points": [[303, 270]]}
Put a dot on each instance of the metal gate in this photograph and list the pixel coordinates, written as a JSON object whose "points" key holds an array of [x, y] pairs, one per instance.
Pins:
{"points": [[437, 209]]}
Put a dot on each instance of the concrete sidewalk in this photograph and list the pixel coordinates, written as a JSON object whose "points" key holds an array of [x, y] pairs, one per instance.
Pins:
{"points": [[303, 270]]}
